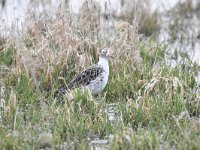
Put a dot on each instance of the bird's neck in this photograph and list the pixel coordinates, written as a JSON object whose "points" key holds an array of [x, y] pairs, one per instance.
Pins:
{"points": [[104, 63]]}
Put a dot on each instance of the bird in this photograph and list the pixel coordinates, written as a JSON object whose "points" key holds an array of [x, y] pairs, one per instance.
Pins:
{"points": [[94, 78]]}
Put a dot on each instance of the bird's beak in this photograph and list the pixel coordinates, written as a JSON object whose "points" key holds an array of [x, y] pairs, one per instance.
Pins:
{"points": [[109, 54]]}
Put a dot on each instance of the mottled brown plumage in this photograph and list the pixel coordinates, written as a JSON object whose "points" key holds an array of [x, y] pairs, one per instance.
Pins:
{"points": [[82, 79]]}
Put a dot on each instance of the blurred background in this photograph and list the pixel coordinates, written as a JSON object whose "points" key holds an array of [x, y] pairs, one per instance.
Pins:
{"points": [[175, 22], [11, 10]]}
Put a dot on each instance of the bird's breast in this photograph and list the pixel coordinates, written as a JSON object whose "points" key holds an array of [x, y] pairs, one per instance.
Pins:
{"points": [[97, 85]]}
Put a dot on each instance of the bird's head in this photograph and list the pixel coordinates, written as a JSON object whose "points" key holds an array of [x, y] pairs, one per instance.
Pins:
{"points": [[105, 53]]}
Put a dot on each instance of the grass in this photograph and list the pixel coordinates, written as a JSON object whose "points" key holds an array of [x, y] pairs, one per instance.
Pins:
{"points": [[158, 105]]}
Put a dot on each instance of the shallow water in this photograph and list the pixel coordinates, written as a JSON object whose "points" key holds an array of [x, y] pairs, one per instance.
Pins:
{"points": [[16, 11], [181, 34]]}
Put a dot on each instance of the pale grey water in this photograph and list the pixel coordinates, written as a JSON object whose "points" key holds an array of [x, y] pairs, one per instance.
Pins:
{"points": [[15, 10]]}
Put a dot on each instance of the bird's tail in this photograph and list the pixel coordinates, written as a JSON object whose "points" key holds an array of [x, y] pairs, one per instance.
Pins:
{"points": [[60, 92]]}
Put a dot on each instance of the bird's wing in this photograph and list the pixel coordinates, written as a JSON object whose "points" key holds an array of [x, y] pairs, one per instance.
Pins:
{"points": [[85, 77], [82, 79]]}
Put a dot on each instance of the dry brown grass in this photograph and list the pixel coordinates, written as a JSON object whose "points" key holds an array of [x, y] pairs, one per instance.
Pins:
{"points": [[50, 43]]}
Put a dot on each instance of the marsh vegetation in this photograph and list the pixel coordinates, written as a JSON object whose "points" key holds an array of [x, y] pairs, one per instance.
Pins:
{"points": [[147, 104]]}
